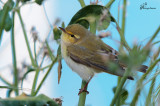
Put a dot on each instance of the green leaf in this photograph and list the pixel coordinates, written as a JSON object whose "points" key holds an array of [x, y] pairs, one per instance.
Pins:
{"points": [[1, 15], [24, 100], [63, 25], [5, 20], [8, 21], [123, 96], [23, 1], [9, 4], [39, 1], [57, 33], [59, 53], [84, 23], [90, 14]]}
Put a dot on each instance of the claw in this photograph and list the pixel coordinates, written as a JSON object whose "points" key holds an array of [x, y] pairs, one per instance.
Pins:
{"points": [[82, 90], [85, 87]]}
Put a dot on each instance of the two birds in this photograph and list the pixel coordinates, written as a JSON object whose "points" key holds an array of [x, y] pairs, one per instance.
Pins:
{"points": [[86, 54]]}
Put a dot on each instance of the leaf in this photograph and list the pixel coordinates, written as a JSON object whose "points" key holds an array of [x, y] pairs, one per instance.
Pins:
{"points": [[123, 96], [90, 14], [57, 33], [39, 1], [59, 53], [84, 23], [63, 25], [8, 21], [24, 100], [23, 1], [9, 4], [59, 70], [59, 63], [5, 20]]}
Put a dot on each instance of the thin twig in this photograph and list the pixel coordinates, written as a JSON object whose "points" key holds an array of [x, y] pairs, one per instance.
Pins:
{"points": [[154, 36], [26, 39], [51, 26], [44, 78], [35, 53], [124, 17], [82, 3], [109, 3], [5, 81]]}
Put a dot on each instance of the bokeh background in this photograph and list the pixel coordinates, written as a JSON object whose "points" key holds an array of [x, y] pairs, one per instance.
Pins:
{"points": [[140, 26]]}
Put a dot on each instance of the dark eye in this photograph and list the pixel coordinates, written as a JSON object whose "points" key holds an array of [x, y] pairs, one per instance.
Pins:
{"points": [[72, 35]]}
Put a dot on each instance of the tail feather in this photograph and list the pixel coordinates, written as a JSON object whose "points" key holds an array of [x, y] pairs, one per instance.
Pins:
{"points": [[143, 68]]}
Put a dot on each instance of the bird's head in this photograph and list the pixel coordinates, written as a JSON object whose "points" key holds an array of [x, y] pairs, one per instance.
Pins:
{"points": [[73, 34]]}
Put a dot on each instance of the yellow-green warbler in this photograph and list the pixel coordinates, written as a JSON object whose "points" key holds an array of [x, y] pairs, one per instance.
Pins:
{"points": [[86, 54]]}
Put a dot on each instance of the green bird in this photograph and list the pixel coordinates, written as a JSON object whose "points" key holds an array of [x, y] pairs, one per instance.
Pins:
{"points": [[86, 54]]}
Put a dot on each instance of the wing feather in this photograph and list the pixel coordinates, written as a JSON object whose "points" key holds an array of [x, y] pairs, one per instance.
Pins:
{"points": [[94, 56]]}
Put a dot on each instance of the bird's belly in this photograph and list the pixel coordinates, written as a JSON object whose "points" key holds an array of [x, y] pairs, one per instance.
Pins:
{"points": [[83, 71]]}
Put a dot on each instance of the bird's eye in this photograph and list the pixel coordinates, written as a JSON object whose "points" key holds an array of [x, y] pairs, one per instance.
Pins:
{"points": [[72, 35]]}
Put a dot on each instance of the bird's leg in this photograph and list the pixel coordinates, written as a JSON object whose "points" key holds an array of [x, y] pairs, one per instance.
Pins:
{"points": [[85, 87]]}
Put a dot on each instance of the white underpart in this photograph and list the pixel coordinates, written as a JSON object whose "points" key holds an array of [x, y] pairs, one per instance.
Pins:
{"points": [[83, 71]]}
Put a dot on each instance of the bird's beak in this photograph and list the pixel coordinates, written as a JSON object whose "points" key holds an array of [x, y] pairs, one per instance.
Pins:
{"points": [[62, 29]]}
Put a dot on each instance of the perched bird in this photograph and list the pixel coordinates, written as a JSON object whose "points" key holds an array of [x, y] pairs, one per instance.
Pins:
{"points": [[87, 54]]}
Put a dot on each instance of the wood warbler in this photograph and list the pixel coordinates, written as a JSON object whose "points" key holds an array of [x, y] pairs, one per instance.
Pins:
{"points": [[86, 54]]}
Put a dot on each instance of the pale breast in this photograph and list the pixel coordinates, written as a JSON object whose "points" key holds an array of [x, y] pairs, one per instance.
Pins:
{"points": [[83, 71]]}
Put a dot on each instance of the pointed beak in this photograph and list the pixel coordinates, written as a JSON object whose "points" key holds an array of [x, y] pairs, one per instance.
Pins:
{"points": [[62, 29]]}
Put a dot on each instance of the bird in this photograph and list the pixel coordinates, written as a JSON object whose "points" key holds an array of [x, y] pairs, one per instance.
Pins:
{"points": [[86, 54]]}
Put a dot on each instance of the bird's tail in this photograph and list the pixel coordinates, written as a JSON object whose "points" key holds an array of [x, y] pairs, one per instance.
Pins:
{"points": [[143, 68]]}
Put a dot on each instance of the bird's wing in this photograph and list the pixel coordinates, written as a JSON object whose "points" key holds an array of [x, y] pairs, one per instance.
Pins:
{"points": [[96, 58]]}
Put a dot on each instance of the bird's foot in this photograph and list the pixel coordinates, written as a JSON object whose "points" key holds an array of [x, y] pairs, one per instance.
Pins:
{"points": [[83, 90]]}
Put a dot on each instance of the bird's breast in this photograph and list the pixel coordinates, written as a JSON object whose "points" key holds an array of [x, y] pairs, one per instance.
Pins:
{"points": [[83, 71]]}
